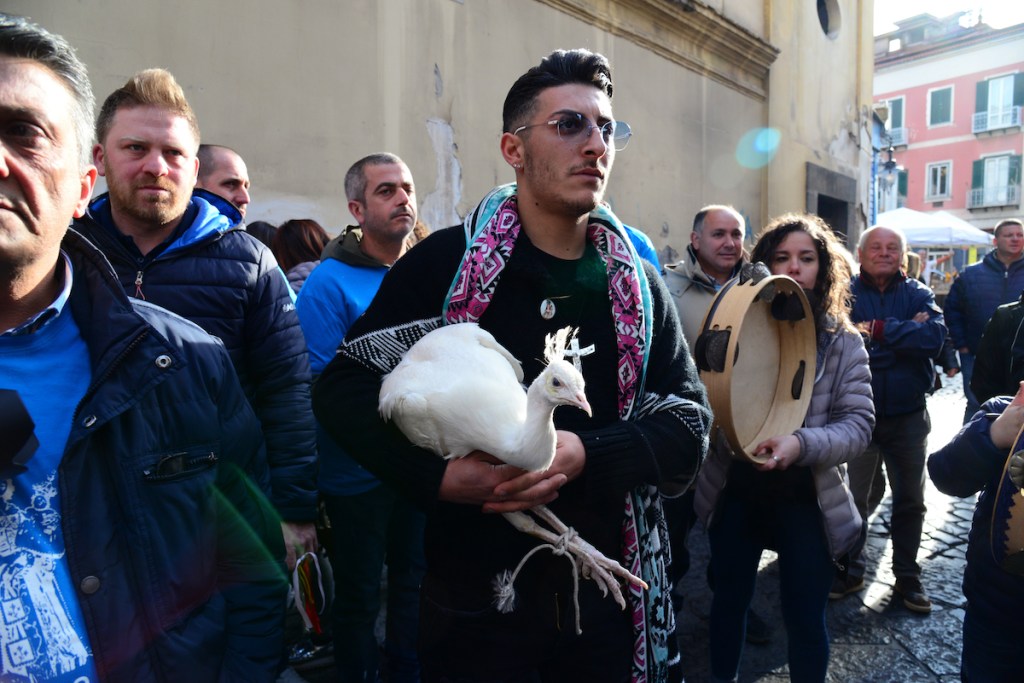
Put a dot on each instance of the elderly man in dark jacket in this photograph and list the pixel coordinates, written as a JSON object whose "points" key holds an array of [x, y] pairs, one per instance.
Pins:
{"points": [[903, 331], [135, 545], [997, 279], [186, 250]]}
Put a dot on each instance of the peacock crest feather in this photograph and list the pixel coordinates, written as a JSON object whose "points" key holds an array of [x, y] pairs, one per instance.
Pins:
{"points": [[555, 344]]}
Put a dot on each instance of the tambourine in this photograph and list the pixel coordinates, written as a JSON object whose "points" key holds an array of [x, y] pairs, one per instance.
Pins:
{"points": [[756, 354], [1007, 530]]}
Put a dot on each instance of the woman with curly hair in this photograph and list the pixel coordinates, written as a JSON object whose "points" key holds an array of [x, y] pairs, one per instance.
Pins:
{"points": [[798, 502]]}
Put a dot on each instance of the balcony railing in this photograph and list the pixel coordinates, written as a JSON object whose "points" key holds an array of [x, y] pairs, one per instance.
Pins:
{"points": [[1005, 195], [983, 121], [898, 137]]}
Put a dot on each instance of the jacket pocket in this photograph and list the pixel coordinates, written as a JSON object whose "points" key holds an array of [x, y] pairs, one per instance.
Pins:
{"points": [[170, 467]]}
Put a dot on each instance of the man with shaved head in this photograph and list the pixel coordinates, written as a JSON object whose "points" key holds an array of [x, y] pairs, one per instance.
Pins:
{"points": [[223, 172]]}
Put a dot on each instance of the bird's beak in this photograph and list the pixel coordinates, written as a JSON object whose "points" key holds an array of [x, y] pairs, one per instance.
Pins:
{"points": [[583, 404]]}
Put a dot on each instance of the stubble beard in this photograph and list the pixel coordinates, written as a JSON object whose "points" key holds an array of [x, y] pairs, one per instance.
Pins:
{"points": [[152, 213]]}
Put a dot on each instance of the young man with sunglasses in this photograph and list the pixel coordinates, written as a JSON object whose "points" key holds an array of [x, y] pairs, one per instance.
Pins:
{"points": [[533, 257], [134, 544]]}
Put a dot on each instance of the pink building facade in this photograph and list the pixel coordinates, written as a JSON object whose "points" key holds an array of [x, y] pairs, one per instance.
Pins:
{"points": [[954, 98]]}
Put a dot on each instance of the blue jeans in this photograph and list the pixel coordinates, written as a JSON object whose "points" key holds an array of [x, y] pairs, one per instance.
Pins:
{"points": [[368, 529], [966, 372], [991, 654], [806, 572], [900, 443]]}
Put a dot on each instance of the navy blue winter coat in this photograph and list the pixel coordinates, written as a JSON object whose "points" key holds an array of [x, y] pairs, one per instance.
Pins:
{"points": [[180, 575], [966, 465], [901, 353], [228, 283], [976, 294]]}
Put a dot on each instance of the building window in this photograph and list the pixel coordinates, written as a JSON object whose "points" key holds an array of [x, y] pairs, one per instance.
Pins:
{"points": [[998, 103], [829, 17], [940, 106], [938, 176], [894, 124], [995, 181]]}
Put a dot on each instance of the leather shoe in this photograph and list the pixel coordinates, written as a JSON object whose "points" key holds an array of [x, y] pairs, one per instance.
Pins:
{"points": [[914, 597]]}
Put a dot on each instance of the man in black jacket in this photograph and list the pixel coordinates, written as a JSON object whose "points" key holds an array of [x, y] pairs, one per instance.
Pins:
{"points": [[185, 250], [535, 257], [999, 368], [134, 544]]}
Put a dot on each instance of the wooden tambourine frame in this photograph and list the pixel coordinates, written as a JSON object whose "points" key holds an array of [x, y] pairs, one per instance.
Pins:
{"points": [[757, 356]]}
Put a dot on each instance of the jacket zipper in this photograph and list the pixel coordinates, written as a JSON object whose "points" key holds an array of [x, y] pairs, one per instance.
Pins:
{"points": [[109, 371], [138, 286]]}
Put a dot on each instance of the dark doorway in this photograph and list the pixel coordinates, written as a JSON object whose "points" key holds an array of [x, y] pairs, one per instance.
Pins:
{"points": [[833, 196], [835, 212]]}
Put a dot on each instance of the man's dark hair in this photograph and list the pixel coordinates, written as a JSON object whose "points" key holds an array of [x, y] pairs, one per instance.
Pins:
{"points": [[21, 39], [561, 67], [355, 179], [1007, 221]]}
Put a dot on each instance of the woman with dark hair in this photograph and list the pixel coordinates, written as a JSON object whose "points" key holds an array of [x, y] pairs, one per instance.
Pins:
{"points": [[297, 246], [262, 230], [798, 502]]}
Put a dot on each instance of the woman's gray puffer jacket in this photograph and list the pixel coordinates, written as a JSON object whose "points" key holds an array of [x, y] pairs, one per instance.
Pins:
{"points": [[838, 426]]}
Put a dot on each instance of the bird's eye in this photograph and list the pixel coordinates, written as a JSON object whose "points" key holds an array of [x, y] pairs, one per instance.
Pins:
{"points": [[556, 382]]}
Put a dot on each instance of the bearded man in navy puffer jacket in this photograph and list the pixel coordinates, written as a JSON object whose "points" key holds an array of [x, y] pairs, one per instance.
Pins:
{"points": [[185, 250]]}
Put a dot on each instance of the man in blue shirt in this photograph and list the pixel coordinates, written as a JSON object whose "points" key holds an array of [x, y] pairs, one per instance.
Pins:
{"points": [[370, 522], [134, 544]]}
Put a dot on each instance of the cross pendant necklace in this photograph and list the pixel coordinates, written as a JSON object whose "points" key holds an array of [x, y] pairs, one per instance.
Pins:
{"points": [[576, 353]]}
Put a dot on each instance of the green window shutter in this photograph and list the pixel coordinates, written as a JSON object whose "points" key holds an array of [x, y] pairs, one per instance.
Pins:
{"points": [[1014, 170], [978, 174], [901, 183], [895, 114], [1018, 90], [981, 97], [941, 103]]}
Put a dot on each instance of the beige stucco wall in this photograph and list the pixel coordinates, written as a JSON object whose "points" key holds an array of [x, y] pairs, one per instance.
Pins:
{"points": [[302, 89], [820, 97]]}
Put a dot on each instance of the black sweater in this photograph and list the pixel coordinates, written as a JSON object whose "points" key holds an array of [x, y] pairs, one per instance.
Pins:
{"points": [[665, 444]]}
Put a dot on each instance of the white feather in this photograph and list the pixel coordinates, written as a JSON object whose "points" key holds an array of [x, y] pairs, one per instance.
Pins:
{"points": [[458, 390]]}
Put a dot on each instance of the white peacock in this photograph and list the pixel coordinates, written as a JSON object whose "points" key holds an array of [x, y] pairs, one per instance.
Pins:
{"points": [[457, 390]]}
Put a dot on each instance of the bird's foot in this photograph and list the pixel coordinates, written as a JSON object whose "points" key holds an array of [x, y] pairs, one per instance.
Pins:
{"points": [[594, 565]]}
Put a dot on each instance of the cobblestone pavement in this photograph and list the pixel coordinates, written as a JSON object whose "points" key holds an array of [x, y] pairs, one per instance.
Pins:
{"points": [[874, 638]]}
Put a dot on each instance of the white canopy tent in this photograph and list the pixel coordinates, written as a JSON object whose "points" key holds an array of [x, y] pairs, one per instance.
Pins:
{"points": [[935, 229]]}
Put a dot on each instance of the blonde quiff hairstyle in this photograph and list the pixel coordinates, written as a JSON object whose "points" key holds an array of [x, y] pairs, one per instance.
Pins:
{"points": [[149, 88]]}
